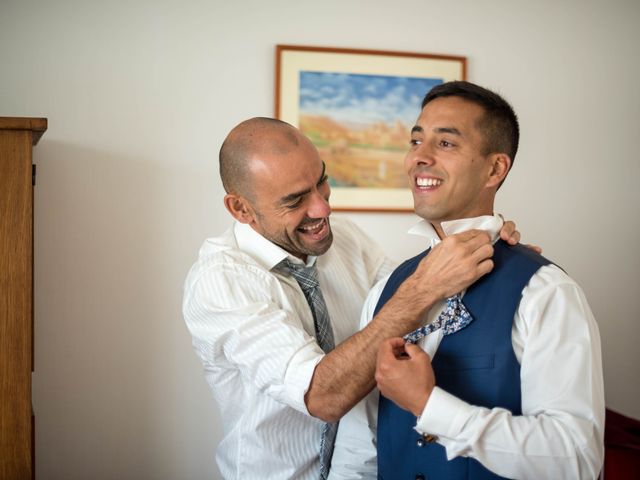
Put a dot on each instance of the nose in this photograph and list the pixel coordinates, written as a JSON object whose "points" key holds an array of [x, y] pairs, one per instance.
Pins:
{"points": [[420, 155], [319, 206]]}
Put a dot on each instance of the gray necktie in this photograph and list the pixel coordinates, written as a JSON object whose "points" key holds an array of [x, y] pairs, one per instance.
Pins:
{"points": [[307, 278]]}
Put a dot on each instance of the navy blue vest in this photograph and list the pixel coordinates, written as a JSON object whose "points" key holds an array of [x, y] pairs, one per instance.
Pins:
{"points": [[476, 364]]}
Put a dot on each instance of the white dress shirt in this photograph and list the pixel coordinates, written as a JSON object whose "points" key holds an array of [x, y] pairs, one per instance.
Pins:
{"points": [[253, 330], [556, 341]]}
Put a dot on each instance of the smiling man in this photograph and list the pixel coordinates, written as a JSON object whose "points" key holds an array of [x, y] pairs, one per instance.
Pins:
{"points": [[507, 382], [266, 337]]}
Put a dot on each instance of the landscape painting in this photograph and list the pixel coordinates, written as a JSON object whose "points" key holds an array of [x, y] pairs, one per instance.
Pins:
{"points": [[361, 124], [358, 108]]}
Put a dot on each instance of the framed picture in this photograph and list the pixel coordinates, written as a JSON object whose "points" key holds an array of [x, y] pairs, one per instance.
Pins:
{"points": [[358, 108]]}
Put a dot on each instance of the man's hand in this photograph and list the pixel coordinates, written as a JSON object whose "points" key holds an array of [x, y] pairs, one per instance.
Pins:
{"points": [[346, 374], [509, 234], [454, 264], [404, 374]]}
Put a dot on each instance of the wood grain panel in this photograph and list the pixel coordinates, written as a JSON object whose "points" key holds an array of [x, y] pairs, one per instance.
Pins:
{"points": [[16, 295]]}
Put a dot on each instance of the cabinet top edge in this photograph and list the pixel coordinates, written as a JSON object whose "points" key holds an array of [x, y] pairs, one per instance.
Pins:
{"points": [[36, 125]]}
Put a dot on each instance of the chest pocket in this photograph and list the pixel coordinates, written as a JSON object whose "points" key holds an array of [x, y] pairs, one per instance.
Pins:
{"points": [[447, 363], [488, 380]]}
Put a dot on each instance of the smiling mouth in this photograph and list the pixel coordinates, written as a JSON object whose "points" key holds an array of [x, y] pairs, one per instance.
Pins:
{"points": [[427, 183], [313, 228]]}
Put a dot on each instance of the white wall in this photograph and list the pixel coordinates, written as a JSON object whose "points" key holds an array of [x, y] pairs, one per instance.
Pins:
{"points": [[139, 96]]}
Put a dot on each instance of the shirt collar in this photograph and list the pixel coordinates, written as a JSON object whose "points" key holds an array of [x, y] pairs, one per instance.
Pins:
{"points": [[263, 251], [489, 223]]}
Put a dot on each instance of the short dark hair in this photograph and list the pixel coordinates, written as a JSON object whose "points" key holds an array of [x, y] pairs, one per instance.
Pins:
{"points": [[499, 124]]}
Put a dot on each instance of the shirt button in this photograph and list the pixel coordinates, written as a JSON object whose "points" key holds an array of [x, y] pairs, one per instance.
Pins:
{"points": [[420, 477], [429, 438], [420, 442]]}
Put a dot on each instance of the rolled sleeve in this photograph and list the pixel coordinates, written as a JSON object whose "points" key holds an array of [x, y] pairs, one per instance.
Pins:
{"points": [[240, 319], [298, 377]]}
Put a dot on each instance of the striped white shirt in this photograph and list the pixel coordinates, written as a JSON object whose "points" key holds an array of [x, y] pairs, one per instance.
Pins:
{"points": [[253, 330]]}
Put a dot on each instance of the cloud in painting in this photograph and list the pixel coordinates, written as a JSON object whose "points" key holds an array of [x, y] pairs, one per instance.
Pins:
{"points": [[363, 99]]}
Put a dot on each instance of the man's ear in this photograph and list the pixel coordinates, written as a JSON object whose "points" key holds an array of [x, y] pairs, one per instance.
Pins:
{"points": [[500, 166], [239, 207]]}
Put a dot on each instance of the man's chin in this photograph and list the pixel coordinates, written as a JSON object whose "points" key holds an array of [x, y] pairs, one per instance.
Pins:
{"points": [[319, 247], [427, 212], [316, 241]]}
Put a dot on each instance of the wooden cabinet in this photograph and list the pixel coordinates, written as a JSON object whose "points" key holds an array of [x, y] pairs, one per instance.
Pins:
{"points": [[17, 137]]}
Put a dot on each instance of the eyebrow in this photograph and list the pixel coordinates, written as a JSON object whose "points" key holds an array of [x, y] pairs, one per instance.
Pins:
{"points": [[293, 196], [451, 130]]}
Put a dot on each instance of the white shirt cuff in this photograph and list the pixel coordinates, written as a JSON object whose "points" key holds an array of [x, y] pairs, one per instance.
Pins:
{"points": [[298, 376], [444, 415]]}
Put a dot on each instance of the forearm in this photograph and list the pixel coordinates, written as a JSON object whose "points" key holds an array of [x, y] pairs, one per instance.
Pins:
{"points": [[346, 374]]}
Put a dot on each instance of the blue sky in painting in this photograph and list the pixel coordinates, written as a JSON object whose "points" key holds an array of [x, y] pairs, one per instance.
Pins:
{"points": [[363, 99]]}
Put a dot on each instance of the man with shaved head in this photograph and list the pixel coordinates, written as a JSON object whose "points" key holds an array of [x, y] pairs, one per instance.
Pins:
{"points": [[266, 337]]}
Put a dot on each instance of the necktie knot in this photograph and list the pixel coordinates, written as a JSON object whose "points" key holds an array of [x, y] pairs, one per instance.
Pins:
{"points": [[307, 277]]}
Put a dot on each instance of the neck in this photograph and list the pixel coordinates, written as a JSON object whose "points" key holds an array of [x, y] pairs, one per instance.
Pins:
{"points": [[438, 228], [437, 225]]}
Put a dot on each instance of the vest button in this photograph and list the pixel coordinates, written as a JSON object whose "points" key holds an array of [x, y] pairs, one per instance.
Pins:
{"points": [[420, 442], [429, 438], [420, 477]]}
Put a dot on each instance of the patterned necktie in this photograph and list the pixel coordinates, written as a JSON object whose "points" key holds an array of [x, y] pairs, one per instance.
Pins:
{"points": [[454, 317], [307, 278]]}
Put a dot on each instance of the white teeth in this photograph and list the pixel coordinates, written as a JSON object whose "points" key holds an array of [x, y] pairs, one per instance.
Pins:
{"points": [[313, 226], [428, 182]]}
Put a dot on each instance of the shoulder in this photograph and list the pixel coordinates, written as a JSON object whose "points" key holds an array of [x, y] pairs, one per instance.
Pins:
{"points": [[516, 261], [540, 276], [224, 252], [223, 269], [548, 285], [520, 253], [553, 305]]}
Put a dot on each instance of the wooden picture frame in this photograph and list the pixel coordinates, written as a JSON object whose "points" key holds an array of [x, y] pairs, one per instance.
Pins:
{"points": [[358, 108]]}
